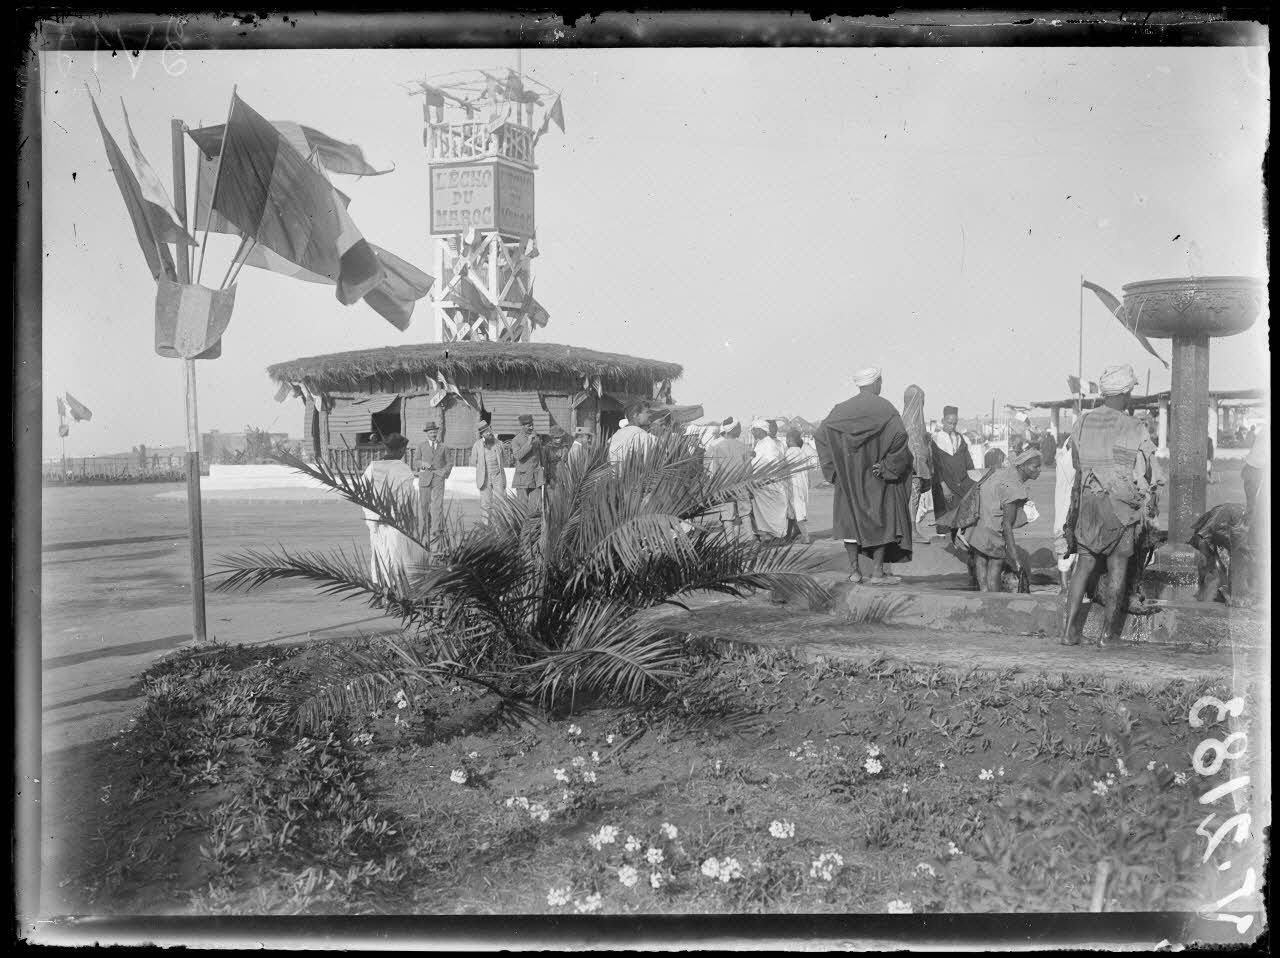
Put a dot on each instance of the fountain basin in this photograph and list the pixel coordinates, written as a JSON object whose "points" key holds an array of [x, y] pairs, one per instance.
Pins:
{"points": [[1194, 306]]}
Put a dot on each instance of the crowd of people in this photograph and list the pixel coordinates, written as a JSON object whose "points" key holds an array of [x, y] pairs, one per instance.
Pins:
{"points": [[888, 472]]}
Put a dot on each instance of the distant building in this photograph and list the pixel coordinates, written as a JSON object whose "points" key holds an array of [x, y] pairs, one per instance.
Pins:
{"points": [[218, 446]]}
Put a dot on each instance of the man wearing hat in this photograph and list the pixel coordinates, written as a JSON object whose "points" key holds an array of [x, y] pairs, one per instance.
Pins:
{"points": [[1113, 503], [580, 451], [950, 463], [391, 552], [863, 450], [1004, 501], [527, 449], [434, 466], [491, 480]]}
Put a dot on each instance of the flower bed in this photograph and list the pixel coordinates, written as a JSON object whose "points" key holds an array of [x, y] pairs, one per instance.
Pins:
{"points": [[869, 787]]}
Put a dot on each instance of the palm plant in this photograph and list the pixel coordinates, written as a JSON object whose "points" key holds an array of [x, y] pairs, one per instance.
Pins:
{"points": [[543, 603]]}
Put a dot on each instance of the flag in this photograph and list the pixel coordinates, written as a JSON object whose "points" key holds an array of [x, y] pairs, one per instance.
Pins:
{"points": [[431, 96], [1093, 389], [284, 392], [62, 409], [159, 260], [470, 296], [556, 113], [191, 319], [269, 192], [160, 210], [531, 308], [1118, 310], [79, 410], [401, 285], [64, 430], [332, 154]]}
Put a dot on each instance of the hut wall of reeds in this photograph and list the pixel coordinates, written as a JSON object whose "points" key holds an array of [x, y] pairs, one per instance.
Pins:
{"points": [[352, 397]]}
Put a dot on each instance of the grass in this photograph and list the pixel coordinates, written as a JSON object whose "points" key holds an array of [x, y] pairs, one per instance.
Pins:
{"points": [[784, 787]]}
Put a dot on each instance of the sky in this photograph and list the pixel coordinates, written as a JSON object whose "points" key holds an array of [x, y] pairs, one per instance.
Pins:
{"points": [[771, 219]]}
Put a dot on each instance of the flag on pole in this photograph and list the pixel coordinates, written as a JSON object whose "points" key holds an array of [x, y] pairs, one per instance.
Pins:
{"points": [[62, 409], [160, 209], [1093, 389], [79, 411], [1118, 310], [332, 154], [268, 191], [431, 96], [64, 430], [159, 259], [556, 113], [1073, 385]]}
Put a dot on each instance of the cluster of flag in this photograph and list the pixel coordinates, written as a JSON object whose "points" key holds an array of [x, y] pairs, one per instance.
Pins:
{"points": [[266, 183], [79, 412]]}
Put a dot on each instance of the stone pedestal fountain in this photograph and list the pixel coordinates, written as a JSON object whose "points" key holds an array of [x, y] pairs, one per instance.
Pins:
{"points": [[1190, 311]]}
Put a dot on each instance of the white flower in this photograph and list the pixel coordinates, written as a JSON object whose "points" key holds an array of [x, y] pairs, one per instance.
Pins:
{"points": [[628, 875], [402, 700], [782, 829], [560, 774], [363, 739], [655, 880], [539, 812], [942, 765], [986, 775], [589, 777], [953, 850], [711, 868], [899, 907], [1121, 767], [632, 844], [588, 904], [473, 755], [458, 777], [1099, 787], [873, 751], [927, 869], [558, 896], [873, 766], [668, 830], [905, 790], [1180, 778], [595, 757], [1151, 765], [653, 856], [729, 870], [574, 731], [826, 865], [608, 834], [608, 739], [1000, 771], [578, 761]]}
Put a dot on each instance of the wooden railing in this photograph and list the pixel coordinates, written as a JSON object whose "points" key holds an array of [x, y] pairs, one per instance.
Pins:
{"points": [[466, 141]]}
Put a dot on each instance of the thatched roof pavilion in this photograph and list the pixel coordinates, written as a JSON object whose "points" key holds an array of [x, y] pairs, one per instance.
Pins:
{"points": [[351, 397]]}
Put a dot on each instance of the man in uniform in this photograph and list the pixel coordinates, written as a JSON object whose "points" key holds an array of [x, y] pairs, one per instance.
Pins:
{"points": [[527, 449], [434, 466], [1113, 503]]}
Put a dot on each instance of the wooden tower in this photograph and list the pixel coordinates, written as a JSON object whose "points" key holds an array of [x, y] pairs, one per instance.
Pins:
{"points": [[480, 140]]}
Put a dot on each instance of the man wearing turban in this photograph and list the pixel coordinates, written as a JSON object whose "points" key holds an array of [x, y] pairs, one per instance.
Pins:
{"points": [[769, 503], [728, 454], [1113, 503], [864, 454]]}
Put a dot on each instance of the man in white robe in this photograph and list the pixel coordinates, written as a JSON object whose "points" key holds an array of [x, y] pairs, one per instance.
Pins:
{"points": [[798, 487], [391, 552], [769, 502]]}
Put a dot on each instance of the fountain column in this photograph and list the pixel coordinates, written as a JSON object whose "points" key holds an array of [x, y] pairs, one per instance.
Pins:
{"points": [[1190, 425]]}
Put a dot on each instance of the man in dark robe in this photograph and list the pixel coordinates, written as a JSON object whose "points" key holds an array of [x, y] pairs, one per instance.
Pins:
{"points": [[863, 451], [951, 463]]}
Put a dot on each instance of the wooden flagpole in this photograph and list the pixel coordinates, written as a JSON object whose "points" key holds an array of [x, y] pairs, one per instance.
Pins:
{"points": [[1080, 354], [194, 517]]}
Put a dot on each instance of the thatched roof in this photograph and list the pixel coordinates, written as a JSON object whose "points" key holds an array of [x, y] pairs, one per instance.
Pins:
{"points": [[369, 369]]}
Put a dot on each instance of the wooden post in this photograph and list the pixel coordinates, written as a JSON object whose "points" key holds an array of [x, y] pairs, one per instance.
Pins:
{"points": [[194, 518]]}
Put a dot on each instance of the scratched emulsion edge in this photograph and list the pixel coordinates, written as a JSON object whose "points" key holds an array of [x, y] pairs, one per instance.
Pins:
{"points": [[888, 27]]}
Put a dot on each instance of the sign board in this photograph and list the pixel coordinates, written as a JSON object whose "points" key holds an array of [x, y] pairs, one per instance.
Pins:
{"points": [[488, 196]]}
